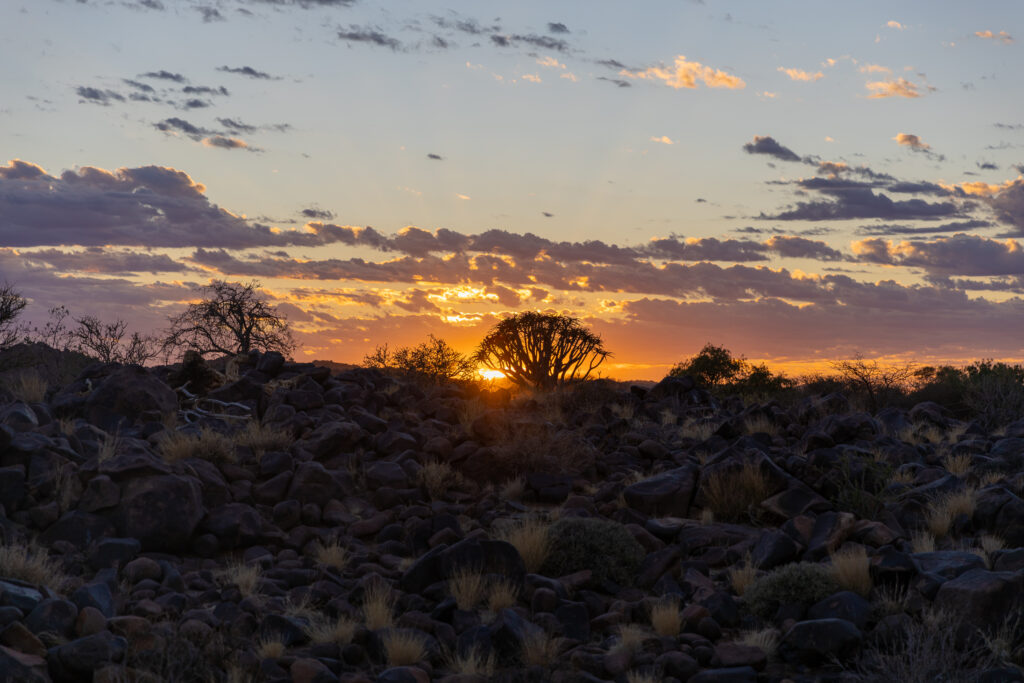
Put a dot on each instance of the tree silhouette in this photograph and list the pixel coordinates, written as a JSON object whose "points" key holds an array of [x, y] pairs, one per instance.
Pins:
{"points": [[11, 305], [231, 318], [433, 361], [541, 350]]}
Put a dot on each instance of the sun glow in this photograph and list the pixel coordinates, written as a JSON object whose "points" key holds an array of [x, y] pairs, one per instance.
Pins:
{"points": [[490, 375]]}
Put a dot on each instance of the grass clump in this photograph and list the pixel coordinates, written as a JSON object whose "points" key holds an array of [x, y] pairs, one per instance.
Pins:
{"points": [[467, 587], [378, 606], [742, 576], [731, 493], [31, 564], [501, 593], [331, 554], [323, 630], [803, 583], [438, 478], [600, 545], [404, 647], [471, 663], [540, 649], [532, 538], [259, 438], [270, 648], [944, 510], [206, 445], [665, 618], [850, 567], [246, 577], [27, 386]]}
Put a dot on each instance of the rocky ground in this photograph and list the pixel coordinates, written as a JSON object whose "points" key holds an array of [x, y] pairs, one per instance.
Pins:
{"points": [[273, 521]]}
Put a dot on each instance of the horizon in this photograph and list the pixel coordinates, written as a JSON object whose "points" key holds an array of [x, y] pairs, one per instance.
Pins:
{"points": [[796, 186]]}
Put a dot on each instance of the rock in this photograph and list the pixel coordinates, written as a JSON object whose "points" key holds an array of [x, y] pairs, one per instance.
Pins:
{"points": [[234, 524], [17, 636], [948, 564], [21, 667], [732, 655], [739, 674], [843, 605], [14, 593], [312, 483], [507, 632], [96, 595], [774, 548], [385, 473], [161, 511], [99, 494], [309, 670], [403, 674], [668, 493], [13, 488], [982, 598], [79, 529], [129, 394], [53, 615], [91, 652], [819, 640]]}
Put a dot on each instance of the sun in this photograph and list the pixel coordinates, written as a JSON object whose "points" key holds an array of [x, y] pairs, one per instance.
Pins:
{"points": [[490, 375]]}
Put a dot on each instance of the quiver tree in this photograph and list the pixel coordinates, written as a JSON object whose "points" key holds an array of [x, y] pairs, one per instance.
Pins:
{"points": [[541, 350], [231, 318], [12, 303]]}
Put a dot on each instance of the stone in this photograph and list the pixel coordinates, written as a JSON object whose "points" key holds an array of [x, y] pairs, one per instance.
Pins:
{"points": [[312, 483], [17, 636], [737, 674], [78, 528], [843, 605], [234, 524], [100, 493], [97, 596], [948, 564], [816, 641], [161, 511], [982, 598], [53, 615], [732, 655], [128, 395], [774, 548], [666, 494], [385, 473], [14, 593], [22, 667], [91, 652]]}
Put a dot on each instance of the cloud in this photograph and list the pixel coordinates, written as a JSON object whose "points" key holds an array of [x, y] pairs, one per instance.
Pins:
{"points": [[765, 144], [895, 24], [544, 42], [557, 27], [617, 81], [959, 254], [550, 63], [900, 87], [686, 74], [97, 96], [800, 75], [890, 229], [210, 14], [164, 76], [246, 71], [98, 260], [664, 139], [147, 206], [221, 142], [204, 90], [179, 125], [986, 166], [435, 157], [318, 214], [852, 202], [1002, 36], [470, 26], [874, 69], [372, 36], [912, 141], [532, 78], [195, 104], [547, 214]]}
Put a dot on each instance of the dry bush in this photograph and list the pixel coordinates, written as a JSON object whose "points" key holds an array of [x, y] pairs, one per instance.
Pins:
{"points": [[540, 649], [324, 630], [302, 608], [270, 648], [731, 493], [623, 411], [698, 430], [404, 647], [27, 385], [631, 638], [889, 600], [513, 489], [332, 554], [246, 577], [31, 564], [642, 677], [706, 516], [259, 438], [850, 566], [530, 538], [990, 478], [767, 640], [668, 417], [902, 477], [467, 587], [987, 546], [922, 542], [959, 465], [761, 424], [946, 508], [501, 593], [378, 606], [438, 478], [665, 618], [472, 663], [742, 576], [207, 445]]}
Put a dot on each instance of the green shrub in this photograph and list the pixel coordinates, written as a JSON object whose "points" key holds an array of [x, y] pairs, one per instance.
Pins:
{"points": [[600, 545], [803, 583]]}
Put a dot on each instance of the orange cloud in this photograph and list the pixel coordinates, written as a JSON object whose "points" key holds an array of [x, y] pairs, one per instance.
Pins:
{"points": [[1002, 36], [875, 68], [664, 139], [901, 87], [551, 63], [800, 75], [978, 188], [895, 24], [686, 74], [533, 78], [912, 141], [569, 76]]}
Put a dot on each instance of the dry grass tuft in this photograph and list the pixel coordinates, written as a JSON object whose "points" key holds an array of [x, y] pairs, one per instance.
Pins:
{"points": [[513, 489], [631, 638], [28, 386], [530, 538], [959, 465], [731, 493], [890, 600], [707, 516], [742, 576], [902, 477], [641, 677], [540, 649], [270, 648], [623, 411], [260, 439], [946, 508], [850, 567], [30, 563], [332, 554], [767, 640], [207, 445], [467, 587], [472, 663], [109, 446], [990, 478], [378, 606], [501, 593], [761, 424], [438, 478], [246, 577], [324, 630], [404, 647], [697, 430], [665, 618], [922, 542]]}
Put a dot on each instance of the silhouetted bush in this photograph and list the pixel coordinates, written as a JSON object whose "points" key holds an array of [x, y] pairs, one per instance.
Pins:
{"points": [[715, 368], [12, 303], [432, 361], [600, 545], [802, 583]]}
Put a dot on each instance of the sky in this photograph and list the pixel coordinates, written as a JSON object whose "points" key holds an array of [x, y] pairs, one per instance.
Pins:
{"points": [[799, 181]]}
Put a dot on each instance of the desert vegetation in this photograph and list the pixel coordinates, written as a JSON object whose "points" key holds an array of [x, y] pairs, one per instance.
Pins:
{"points": [[249, 517]]}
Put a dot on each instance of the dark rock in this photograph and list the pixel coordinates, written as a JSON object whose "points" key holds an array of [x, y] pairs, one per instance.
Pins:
{"points": [[234, 524], [575, 620], [739, 674], [385, 473], [21, 667], [161, 512], [668, 493], [91, 652], [53, 615], [19, 594], [948, 564], [982, 598], [312, 483], [13, 489], [843, 605], [78, 528], [819, 640], [774, 548], [403, 674], [99, 494], [507, 633], [95, 595], [129, 394]]}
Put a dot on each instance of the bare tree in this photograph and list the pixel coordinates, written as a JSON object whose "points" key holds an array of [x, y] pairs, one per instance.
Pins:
{"points": [[55, 333], [231, 318], [433, 360], [105, 342], [878, 382], [12, 303], [541, 350]]}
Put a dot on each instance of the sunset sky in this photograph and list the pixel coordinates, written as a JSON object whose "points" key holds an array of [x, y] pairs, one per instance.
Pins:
{"points": [[797, 181]]}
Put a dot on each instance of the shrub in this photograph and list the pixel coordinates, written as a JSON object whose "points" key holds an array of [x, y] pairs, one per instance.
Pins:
{"points": [[31, 564], [28, 386], [803, 583], [259, 438], [665, 617], [731, 493], [850, 567], [404, 647], [206, 445], [600, 545], [433, 361], [532, 538]]}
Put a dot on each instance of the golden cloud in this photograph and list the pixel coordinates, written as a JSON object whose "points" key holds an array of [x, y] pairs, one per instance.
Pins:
{"points": [[1002, 36], [901, 87], [800, 74], [685, 74]]}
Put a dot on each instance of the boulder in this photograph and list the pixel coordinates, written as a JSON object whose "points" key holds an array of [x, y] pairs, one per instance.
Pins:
{"points": [[668, 493], [161, 511], [981, 598], [128, 395], [817, 641]]}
